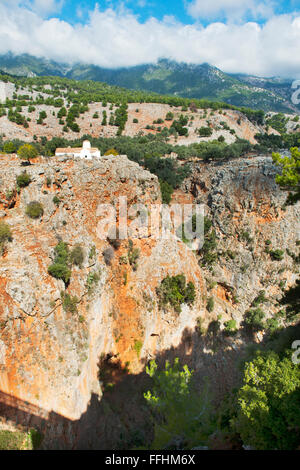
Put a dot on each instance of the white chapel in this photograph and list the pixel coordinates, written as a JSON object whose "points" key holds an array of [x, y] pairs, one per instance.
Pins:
{"points": [[86, 152]]}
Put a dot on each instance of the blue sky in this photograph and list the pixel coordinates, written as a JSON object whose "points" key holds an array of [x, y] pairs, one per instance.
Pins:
{"points": [[144, 9], [259, 37], [159, 9]]}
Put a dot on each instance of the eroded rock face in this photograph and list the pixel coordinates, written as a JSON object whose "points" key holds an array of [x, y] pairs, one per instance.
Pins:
{"points": [[49, 356], [247, 209], [52, 355]]}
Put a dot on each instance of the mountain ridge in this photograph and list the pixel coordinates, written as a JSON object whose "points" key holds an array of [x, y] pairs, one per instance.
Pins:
{"points": [[168, 77]]}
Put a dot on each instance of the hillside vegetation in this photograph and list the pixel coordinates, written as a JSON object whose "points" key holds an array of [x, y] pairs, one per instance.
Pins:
{"points": [[47, 107]]}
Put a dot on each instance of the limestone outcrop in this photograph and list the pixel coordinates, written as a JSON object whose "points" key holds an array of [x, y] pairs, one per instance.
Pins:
{"points": [[51, 354], [54, 337], [248, 212]]}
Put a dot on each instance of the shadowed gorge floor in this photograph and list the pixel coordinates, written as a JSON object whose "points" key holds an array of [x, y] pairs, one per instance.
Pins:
{"points": [[121, 419]]}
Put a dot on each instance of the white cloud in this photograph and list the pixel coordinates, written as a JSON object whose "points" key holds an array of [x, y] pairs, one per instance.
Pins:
{"points": [[111, 39], [232, 9], [41, 7], [46, 7]]}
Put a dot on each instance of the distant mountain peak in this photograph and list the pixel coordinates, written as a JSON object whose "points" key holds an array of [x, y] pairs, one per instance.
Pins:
{"points": [[167, 76]]}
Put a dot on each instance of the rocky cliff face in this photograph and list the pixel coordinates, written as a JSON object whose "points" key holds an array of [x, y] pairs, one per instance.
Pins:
{"points": [[248, 213], [51, 354]]}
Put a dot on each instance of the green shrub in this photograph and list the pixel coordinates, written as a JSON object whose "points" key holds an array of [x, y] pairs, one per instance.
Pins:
{"points": [[209, 236], [5, 232], [208, 251], [56, 200], [166, 192], [169, 116], [178, 126], [60, 268], [104, 119], [190, 293], [254, 319], [69, 303], [43, 115], [210, 304], [34, 210], [211, 285], [261, 298], [9, 147], [61, 252], [133, 255], [92, 280], [138, 347], [230, 327], [23, 180], [77, 256], [5, 235], [62, 112], [277, 255], [278, 122], [174, 292], [205, 132], [272, 324], [60, 271]]}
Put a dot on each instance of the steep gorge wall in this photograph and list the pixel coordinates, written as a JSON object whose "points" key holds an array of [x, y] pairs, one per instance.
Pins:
{"points": [[249, 214], [52, 357]]}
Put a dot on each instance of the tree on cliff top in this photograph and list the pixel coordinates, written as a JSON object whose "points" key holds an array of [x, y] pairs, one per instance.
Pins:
{"points": [[290, 177], [27, 152]]}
